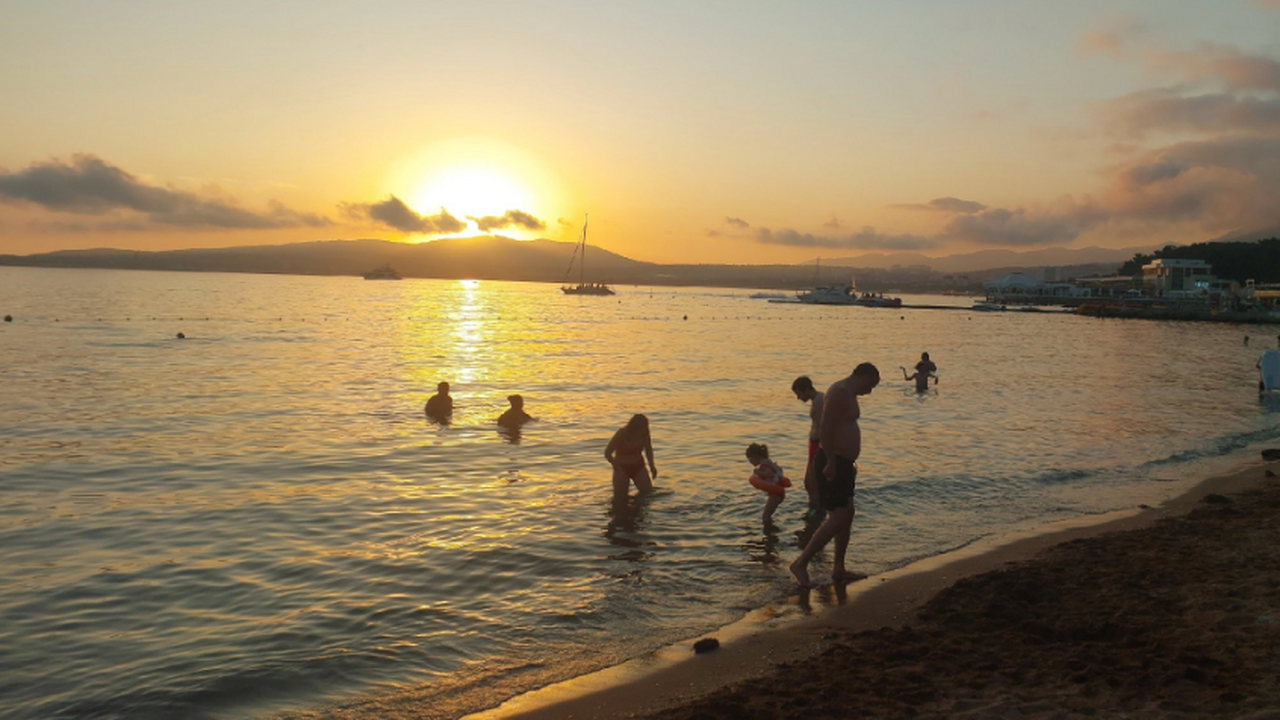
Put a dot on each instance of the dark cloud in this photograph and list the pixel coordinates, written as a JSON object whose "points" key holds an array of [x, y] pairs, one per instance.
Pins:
{"points": [[90, 186], [1024, 226], [1161, 110], [945, 205], [1218, 184], [714, 233], [1220, 63], [737, 222], [865, 239], [564, 222], [833, 223], [510, 218], [392, 212]]}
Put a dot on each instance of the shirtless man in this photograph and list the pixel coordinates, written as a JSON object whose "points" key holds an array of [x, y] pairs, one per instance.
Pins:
{"points": [[440, 406], [806, 392], [840, 443]]}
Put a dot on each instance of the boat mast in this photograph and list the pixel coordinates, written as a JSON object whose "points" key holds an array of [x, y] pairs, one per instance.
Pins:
{"points": [[582, 261]]}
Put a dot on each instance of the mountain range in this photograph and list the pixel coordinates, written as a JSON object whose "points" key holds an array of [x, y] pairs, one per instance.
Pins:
{"points": [[501, 258]]}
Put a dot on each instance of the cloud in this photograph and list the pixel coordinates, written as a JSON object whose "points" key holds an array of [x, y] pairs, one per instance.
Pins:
{"points": [[865, 239], [1026, 226], [737, 222], [945, 205], [89, 185], [1222, 63], [1147, 111], [833, 223], [508, 219], [564, 222], [714, 233], [392, 212], [1217, 184], [1115, 36]]}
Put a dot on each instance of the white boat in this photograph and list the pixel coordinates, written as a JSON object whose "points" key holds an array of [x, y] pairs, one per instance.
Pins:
{"points": [[583, 287], [830, 295], [383, 273]]}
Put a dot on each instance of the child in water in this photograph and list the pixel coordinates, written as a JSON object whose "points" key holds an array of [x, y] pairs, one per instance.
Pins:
{"points": [[767, 477]]}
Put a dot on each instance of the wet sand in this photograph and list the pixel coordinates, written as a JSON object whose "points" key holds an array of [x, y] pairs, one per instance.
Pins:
{"points": [[1165, 613]]}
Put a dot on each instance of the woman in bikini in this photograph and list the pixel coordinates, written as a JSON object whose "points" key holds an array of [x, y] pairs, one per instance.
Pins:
{"points": [[627, 452]]}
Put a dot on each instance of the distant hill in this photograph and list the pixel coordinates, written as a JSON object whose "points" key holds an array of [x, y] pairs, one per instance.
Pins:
{"points": [[485, 257], [499, 258]]}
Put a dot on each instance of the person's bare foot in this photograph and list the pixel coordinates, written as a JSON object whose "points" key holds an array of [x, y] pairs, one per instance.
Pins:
{"points": [[801, 574], [847, 576]]}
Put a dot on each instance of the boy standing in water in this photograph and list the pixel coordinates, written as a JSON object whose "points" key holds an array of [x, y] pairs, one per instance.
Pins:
{"points": [[839, 445], [806, 392]]}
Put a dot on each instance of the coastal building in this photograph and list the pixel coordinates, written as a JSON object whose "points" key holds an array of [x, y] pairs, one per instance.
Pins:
{"points": [[1022, 288], [1177, 278]]}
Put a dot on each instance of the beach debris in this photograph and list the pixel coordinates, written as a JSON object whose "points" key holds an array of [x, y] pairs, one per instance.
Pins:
{"points": [[1216, 499], [1271, 454], [706, 645]]}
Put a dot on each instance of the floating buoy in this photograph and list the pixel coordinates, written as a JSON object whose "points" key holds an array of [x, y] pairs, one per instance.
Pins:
{"points": [[686, 317], [182, 336], [8, 318]]}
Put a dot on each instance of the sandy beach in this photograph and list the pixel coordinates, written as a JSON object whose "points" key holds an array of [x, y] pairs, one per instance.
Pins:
{"points": [[1167, 612]]}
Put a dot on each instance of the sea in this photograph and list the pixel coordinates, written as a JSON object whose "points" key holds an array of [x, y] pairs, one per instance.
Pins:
{"points": [[256, 520]]}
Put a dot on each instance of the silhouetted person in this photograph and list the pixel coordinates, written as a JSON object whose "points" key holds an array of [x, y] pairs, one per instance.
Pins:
{"points": [[806, 392], [440, 406], [627, 451], [839, 445], [515, 416]]}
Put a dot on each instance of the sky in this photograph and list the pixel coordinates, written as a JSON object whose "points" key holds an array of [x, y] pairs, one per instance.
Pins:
{"points": [[738, 131]]}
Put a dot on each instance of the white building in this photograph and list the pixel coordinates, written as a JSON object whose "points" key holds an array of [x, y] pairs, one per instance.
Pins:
{"points": [[1175, 277], [1019, 287]]}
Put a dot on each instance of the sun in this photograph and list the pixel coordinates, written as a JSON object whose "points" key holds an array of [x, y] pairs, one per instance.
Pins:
{"points": [[470, 191], [477, 177]]}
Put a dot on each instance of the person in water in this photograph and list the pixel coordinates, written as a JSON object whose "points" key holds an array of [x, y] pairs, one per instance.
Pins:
{"points": [[925, 369], [806, 392], [515, 416], [626, 452], [440, 406], [770, 476], [839, 445]]}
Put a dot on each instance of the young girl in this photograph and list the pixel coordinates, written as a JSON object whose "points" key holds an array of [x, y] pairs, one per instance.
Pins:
{"points": [[767, 477]]}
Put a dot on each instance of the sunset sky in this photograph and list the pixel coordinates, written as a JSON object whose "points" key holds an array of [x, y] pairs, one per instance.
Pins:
{"points": [[742, 131]]}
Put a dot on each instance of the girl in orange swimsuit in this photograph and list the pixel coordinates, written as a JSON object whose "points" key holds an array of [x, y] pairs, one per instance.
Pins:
{"points": [[627, 452]]}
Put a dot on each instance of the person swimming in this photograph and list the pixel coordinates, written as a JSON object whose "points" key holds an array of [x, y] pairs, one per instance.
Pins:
{"points": [[439, 406], [515, 416], [626, 452]]}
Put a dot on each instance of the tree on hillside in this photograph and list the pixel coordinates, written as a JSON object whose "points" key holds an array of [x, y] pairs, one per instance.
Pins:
{"points": [[1237, 261]]}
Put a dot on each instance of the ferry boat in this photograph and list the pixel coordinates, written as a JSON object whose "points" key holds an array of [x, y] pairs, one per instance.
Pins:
{"points": [[386, 272]]}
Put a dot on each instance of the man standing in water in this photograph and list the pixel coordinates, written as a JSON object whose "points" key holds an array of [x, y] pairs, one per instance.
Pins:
{"points": [[839, 445], [440, 406], [806, 392]]}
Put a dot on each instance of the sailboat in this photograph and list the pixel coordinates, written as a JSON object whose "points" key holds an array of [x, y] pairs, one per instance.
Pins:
{"points": [[583, 287]]}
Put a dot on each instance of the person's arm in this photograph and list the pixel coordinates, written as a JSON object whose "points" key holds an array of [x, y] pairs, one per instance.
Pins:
{"points": [[611, 447], [833, 409], [648, 451], [904, 373]]}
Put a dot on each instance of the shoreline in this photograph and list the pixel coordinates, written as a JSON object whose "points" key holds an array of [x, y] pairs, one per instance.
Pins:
{"points": [[771, 638]]}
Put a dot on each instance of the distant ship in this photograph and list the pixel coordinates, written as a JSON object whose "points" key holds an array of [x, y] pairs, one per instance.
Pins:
{"points": [[383, 273], [583, 287]]}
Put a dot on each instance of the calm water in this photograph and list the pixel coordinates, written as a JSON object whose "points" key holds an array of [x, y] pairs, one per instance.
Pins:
{"points": [[257, 520]]}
